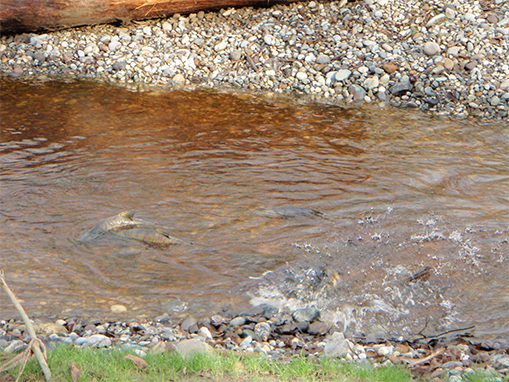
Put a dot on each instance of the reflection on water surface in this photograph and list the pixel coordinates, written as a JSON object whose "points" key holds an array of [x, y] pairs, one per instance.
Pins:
{"points": [[399, 193]]}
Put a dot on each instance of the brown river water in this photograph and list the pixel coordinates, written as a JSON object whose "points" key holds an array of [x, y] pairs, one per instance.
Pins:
{"points": [[401, 192]]}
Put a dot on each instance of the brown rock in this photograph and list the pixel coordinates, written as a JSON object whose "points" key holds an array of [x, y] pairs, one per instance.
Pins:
{"points": [[318, 328], [390, 67], [448, 63], [492, 18], [471, 65]]}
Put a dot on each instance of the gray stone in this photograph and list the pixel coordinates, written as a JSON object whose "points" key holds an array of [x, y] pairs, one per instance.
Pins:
{"points": [[401, 88], [235, 55], [342, 75], [187, 323], [357, 92], [114, 45], [187, 348], [502, 362], [337, 346], [246, 342], [221, 46], [269, 40], [167, 27], [263, 330], [323, 59], [217, 320], [15, 346], [238, 321], [371, 82], [452, 365], [306, 315], [205, 333], [495, 101], [318, 328], [431, 48], [98, 341]]}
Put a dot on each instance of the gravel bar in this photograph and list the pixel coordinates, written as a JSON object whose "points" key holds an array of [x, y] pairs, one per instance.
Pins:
{"points": [[445, 57], [279, 335]]}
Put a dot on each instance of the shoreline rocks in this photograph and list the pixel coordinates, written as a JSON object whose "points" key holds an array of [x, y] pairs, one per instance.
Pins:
{"points": [[268, 331], [442, 57]]}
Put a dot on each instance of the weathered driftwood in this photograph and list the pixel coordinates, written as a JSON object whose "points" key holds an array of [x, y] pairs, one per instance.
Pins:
{"points": [[18, 16], [35, 343]]}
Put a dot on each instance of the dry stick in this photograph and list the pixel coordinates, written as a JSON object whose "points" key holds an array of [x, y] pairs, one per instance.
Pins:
{"points": [[30, 328]]}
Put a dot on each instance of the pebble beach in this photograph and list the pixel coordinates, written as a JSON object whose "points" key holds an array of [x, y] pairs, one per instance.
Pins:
{"points": [[444, 57], [279, 335]]}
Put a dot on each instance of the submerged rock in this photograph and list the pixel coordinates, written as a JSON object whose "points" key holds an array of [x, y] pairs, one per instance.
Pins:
{"points": [[149, 236], [287, 212]]}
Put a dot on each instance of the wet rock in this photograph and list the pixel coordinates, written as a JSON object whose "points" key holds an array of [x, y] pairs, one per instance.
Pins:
{"points": [[306, 315], [118, 309]]}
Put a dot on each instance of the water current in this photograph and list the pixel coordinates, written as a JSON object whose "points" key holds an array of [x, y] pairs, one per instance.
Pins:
{"points": [[413, 236]]}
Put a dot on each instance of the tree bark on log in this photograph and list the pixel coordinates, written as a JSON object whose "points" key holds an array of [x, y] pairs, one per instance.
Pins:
{"points": [[17, 16]]}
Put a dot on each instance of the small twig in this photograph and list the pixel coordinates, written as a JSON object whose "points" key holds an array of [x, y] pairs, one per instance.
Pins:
{"points": [[414, 362], [34, 342], [425, 325], [443, 333]]}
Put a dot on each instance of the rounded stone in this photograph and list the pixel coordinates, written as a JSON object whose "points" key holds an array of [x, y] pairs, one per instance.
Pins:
{"points": [[431, 48], [178, 78], [323, 59], [495, 101], [301, 76], [235, 55], [342, 75], [118, 309], [221, 46]]}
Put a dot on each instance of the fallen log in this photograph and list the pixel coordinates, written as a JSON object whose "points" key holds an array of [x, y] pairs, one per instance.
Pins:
{"points": [[17, 16]]}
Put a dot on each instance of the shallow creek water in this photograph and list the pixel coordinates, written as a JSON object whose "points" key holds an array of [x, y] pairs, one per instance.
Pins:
{"points": [[400, 192]]}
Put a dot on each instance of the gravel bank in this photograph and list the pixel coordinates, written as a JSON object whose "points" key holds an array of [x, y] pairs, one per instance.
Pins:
{"points": [[445, 57], [276, 334]]}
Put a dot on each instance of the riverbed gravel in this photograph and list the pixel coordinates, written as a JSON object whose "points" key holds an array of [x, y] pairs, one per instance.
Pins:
{"points": [[279, 335], [447, 57]]}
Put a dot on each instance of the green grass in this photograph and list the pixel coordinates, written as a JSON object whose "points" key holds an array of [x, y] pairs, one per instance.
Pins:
{"points": [[110, 365]]}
